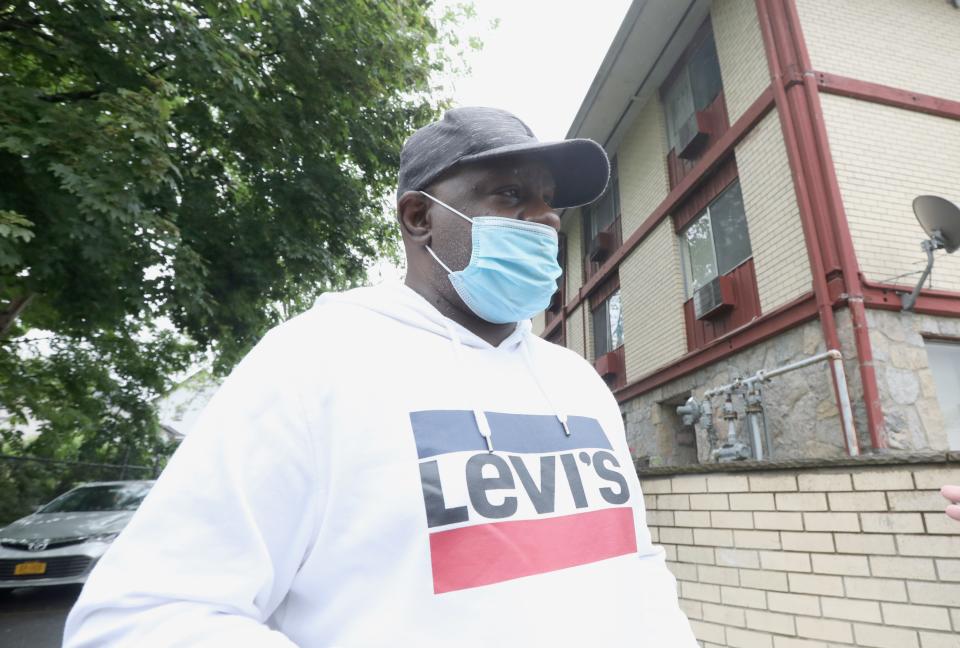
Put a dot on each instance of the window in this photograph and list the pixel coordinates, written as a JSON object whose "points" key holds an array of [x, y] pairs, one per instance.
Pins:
{"points": [[601, 226], [607, 326], [717, 241], [944, 359], [600, 215], [693, 88]]}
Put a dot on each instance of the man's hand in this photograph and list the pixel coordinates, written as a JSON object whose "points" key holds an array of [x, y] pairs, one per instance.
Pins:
{"points": [[952, 493]]}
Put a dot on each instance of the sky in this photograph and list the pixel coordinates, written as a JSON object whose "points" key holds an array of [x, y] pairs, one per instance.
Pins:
{"points": [[540, 60]]}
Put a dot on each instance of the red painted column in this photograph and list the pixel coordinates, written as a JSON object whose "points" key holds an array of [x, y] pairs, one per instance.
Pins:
{"points": [[841, 232], [808, 169], [813, 113]]}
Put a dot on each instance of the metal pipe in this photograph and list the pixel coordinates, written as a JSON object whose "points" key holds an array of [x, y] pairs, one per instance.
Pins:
{"points": [[910, 300], [846, 411], [763, 375], [849, 265], [755, 430], [835, 358]]}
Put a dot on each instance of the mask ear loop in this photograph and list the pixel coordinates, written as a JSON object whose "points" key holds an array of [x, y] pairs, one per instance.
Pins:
{"points": [[445, 205], [437, 259], [461, 215]]}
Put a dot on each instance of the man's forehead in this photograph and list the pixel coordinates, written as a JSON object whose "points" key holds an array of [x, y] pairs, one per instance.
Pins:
{"points": [[511, 167]]}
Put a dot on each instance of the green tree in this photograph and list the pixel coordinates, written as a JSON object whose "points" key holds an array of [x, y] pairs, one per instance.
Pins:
{"points": [[206, 167]]}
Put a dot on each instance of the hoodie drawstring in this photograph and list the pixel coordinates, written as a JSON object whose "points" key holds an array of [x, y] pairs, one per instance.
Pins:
{"points": [[478, 415], [481, 419], [543, 390]]}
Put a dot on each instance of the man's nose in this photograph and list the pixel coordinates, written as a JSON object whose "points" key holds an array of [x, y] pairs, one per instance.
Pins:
{"points": [[542, 213]]}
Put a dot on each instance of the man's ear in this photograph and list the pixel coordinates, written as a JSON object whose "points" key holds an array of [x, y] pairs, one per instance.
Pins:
{"points": [[413, 212]]}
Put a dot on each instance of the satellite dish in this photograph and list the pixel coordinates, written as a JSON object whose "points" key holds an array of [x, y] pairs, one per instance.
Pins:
{"points": [[940, 218]]}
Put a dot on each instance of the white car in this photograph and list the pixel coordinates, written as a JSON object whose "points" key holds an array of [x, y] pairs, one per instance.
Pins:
{"points": [[62, 541]]}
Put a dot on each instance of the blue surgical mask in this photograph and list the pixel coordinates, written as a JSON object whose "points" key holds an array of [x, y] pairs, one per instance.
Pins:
{"points": [[513, 267]]}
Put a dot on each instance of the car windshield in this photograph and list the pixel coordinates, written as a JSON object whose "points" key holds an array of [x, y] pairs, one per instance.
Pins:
{"points": [[107, 497]]}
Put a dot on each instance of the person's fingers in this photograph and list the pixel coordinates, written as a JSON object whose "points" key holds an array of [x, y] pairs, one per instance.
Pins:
{"points": [[954, 511], [952, 493]]}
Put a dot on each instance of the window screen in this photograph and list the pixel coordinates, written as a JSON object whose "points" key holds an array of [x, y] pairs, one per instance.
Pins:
{"points": [[705, 74], [718, 241], [607, 321], [730, 234], [601, 215], [701, 259], [693, 89]]}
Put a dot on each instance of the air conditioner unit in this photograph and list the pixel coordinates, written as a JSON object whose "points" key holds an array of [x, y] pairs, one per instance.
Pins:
{"points": [[715, 298], [608, 365], [601, 247], [693, 135]]}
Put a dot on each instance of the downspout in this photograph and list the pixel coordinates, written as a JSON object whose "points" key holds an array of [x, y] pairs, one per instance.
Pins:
{"points": [[800, 181], [842, 235], [583, 312]]}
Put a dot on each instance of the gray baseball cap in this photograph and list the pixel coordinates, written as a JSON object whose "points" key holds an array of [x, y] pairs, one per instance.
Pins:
{"points": [[580, 167]]}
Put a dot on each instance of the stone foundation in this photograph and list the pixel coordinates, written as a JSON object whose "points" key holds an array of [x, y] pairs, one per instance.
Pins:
{"points": [[799, 400], [800, 409]]}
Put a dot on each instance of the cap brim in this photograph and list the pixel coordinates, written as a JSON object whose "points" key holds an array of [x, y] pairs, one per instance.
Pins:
{"points": [[580, 167]]}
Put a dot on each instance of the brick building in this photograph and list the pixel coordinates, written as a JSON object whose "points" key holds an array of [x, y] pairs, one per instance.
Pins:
{"points": [[772, 149], [766, 156]]}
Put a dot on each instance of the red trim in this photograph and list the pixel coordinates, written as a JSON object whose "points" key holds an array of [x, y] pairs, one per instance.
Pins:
{"points": [[841, 234], [745, 300], [887, 95], [716, 122], [829, 243], [710, 161], [945, 303], [552, 325], [783, 66], [798, 311], [601, 295], [706, 193]]}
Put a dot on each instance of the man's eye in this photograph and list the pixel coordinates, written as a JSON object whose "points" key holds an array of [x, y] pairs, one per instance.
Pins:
{"points": [[510, 192]]}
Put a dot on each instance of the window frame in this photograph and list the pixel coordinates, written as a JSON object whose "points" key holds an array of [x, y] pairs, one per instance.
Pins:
{"points": [[686, 262], [604, 306], [588, 235], [681, 73]]}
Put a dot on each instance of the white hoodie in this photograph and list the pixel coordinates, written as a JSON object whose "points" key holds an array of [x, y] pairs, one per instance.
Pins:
{"points": [[338, 492]]}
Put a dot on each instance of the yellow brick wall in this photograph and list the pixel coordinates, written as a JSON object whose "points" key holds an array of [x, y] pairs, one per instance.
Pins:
{"points": [[743, 63], [885, 157], [773, 218], [588, 322], [575, 331], [651, 288], [573, 229], [908, 44], [539, 322], [858, 556], [642, 163]]}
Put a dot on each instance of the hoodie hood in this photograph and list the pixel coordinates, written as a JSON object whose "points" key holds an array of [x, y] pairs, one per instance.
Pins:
{"points": [[403, 304]]}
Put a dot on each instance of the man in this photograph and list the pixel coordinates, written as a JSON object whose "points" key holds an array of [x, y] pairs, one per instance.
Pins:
{"points": [[408, 465]]}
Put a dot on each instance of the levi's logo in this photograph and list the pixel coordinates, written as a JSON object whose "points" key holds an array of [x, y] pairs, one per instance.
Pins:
{"points": [[543, 501]]}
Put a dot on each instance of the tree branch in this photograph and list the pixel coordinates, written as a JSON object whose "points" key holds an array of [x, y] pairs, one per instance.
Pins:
{"points": [[9, 316], [62, 97]]}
